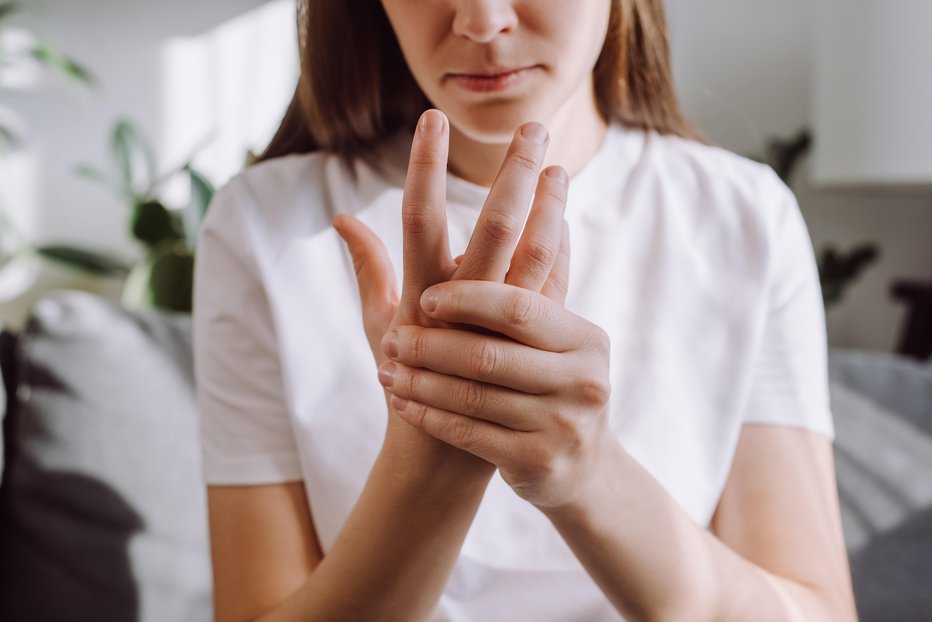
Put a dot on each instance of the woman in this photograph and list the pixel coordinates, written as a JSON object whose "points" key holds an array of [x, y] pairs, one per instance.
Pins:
{"points": [[641, 432]]}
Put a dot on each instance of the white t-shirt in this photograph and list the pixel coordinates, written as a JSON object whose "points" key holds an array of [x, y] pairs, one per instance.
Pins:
{"points": [[696, 261]]}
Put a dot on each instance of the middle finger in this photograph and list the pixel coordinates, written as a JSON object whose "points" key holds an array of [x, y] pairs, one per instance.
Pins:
{"points": [[490, 248], [487, 358]]}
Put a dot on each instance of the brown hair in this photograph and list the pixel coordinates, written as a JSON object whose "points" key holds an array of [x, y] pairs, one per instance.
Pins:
{"points": [[355, 88]]}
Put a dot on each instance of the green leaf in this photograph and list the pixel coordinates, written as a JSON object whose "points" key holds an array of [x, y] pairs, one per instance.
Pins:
{"points": [[129, 148], [93, 174], [171, 281], [8, 140], [88, 261], [202, 191], [47, 55], [7, 9], [152, 224], [164, 280]]}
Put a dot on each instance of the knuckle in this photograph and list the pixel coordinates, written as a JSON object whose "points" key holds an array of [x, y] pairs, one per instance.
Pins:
{"points": [[593, 391], [411, 383], [462, 432], [540, 253], [417, 346], [557, 192], [498, 227], [472, 398], [570, 433], [524, 161], [425, 159], [417, 217], [483, 359], [419, 415], [521, 309]]}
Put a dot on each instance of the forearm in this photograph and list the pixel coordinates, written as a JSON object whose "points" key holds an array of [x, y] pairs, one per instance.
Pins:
{"points": [[395, 552], [654, 563]]}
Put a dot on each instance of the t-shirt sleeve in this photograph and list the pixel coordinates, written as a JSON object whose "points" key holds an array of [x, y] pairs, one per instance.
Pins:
{"points": [[789, 379], [245, 428]]}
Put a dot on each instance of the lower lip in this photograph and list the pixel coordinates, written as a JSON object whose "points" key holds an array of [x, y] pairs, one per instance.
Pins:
{"points": [[501, 82]]}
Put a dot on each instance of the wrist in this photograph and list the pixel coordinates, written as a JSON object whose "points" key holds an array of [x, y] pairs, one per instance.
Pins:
{"points": [[421, 460], [590, 492]]}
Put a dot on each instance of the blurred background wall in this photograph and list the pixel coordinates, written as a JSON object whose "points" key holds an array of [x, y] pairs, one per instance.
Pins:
{"points": [[744, 70], [223, 70]]}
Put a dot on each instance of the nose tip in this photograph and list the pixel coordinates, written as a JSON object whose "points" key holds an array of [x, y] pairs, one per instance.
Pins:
{"points": [[483, 21]]}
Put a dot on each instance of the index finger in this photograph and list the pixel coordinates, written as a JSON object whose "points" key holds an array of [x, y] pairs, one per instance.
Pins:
{"points": [[426, 249], [520, 314]]}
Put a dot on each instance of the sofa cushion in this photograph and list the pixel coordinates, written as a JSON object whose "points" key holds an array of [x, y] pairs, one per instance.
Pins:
{"points": [[4, 367], [883, 458], [104, 509]]}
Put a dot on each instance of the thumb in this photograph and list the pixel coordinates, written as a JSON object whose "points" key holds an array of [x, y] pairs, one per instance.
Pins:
{"points": [[375, 276]]}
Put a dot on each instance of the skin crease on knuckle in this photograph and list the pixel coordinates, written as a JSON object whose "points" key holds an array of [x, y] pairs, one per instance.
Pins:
{"points": [[521, 309], [483, 358], [499, 228], [416, 346], [471, 397], [541, 253]]}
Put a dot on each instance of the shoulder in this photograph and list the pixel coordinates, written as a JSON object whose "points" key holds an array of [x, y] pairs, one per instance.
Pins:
{"points": [[717, 173], [713, 186], [291, 196]]}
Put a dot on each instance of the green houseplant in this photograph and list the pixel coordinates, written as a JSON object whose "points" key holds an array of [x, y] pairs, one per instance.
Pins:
{"points": [[38, 50], [164, 278]]}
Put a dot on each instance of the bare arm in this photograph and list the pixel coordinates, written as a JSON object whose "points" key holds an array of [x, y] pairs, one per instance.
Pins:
{"points": [[397, 548], [775, 551]]}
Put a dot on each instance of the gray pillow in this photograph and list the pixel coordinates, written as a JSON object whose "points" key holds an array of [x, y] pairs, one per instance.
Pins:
{"points": [[104, 513]]}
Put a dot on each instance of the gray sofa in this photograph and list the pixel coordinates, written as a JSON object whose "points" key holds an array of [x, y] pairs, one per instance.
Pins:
{"points": [[102, 511]]}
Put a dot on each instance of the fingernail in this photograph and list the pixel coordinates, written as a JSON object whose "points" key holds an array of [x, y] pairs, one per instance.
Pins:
{"points": [[430, 300], [535, 132], [399, 402], [557, 173], [431, 122], [387, 373], [390, 344]]}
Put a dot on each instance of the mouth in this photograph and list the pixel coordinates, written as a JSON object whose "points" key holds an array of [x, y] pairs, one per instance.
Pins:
{"points": [[490, 72], [486, 79]]}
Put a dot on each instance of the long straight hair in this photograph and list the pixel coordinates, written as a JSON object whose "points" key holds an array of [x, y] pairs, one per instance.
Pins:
{"points": [[355, 88]]}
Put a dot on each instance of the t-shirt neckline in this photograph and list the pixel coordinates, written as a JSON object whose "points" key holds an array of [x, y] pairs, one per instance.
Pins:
{"points": [[472, 195], [463, 194]]}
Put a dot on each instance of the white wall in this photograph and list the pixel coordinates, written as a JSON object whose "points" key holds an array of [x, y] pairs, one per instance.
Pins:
{"points": [[742, 68], [181, 70]]}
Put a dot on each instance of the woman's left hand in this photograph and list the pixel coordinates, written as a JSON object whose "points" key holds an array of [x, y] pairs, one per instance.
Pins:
{"points": [[532, 399]]}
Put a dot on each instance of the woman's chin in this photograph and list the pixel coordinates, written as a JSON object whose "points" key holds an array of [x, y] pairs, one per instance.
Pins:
{"points": [[492, 125]]}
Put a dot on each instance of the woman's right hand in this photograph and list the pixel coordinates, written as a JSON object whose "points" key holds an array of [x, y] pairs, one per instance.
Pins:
{"points": [[539, 262]]}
